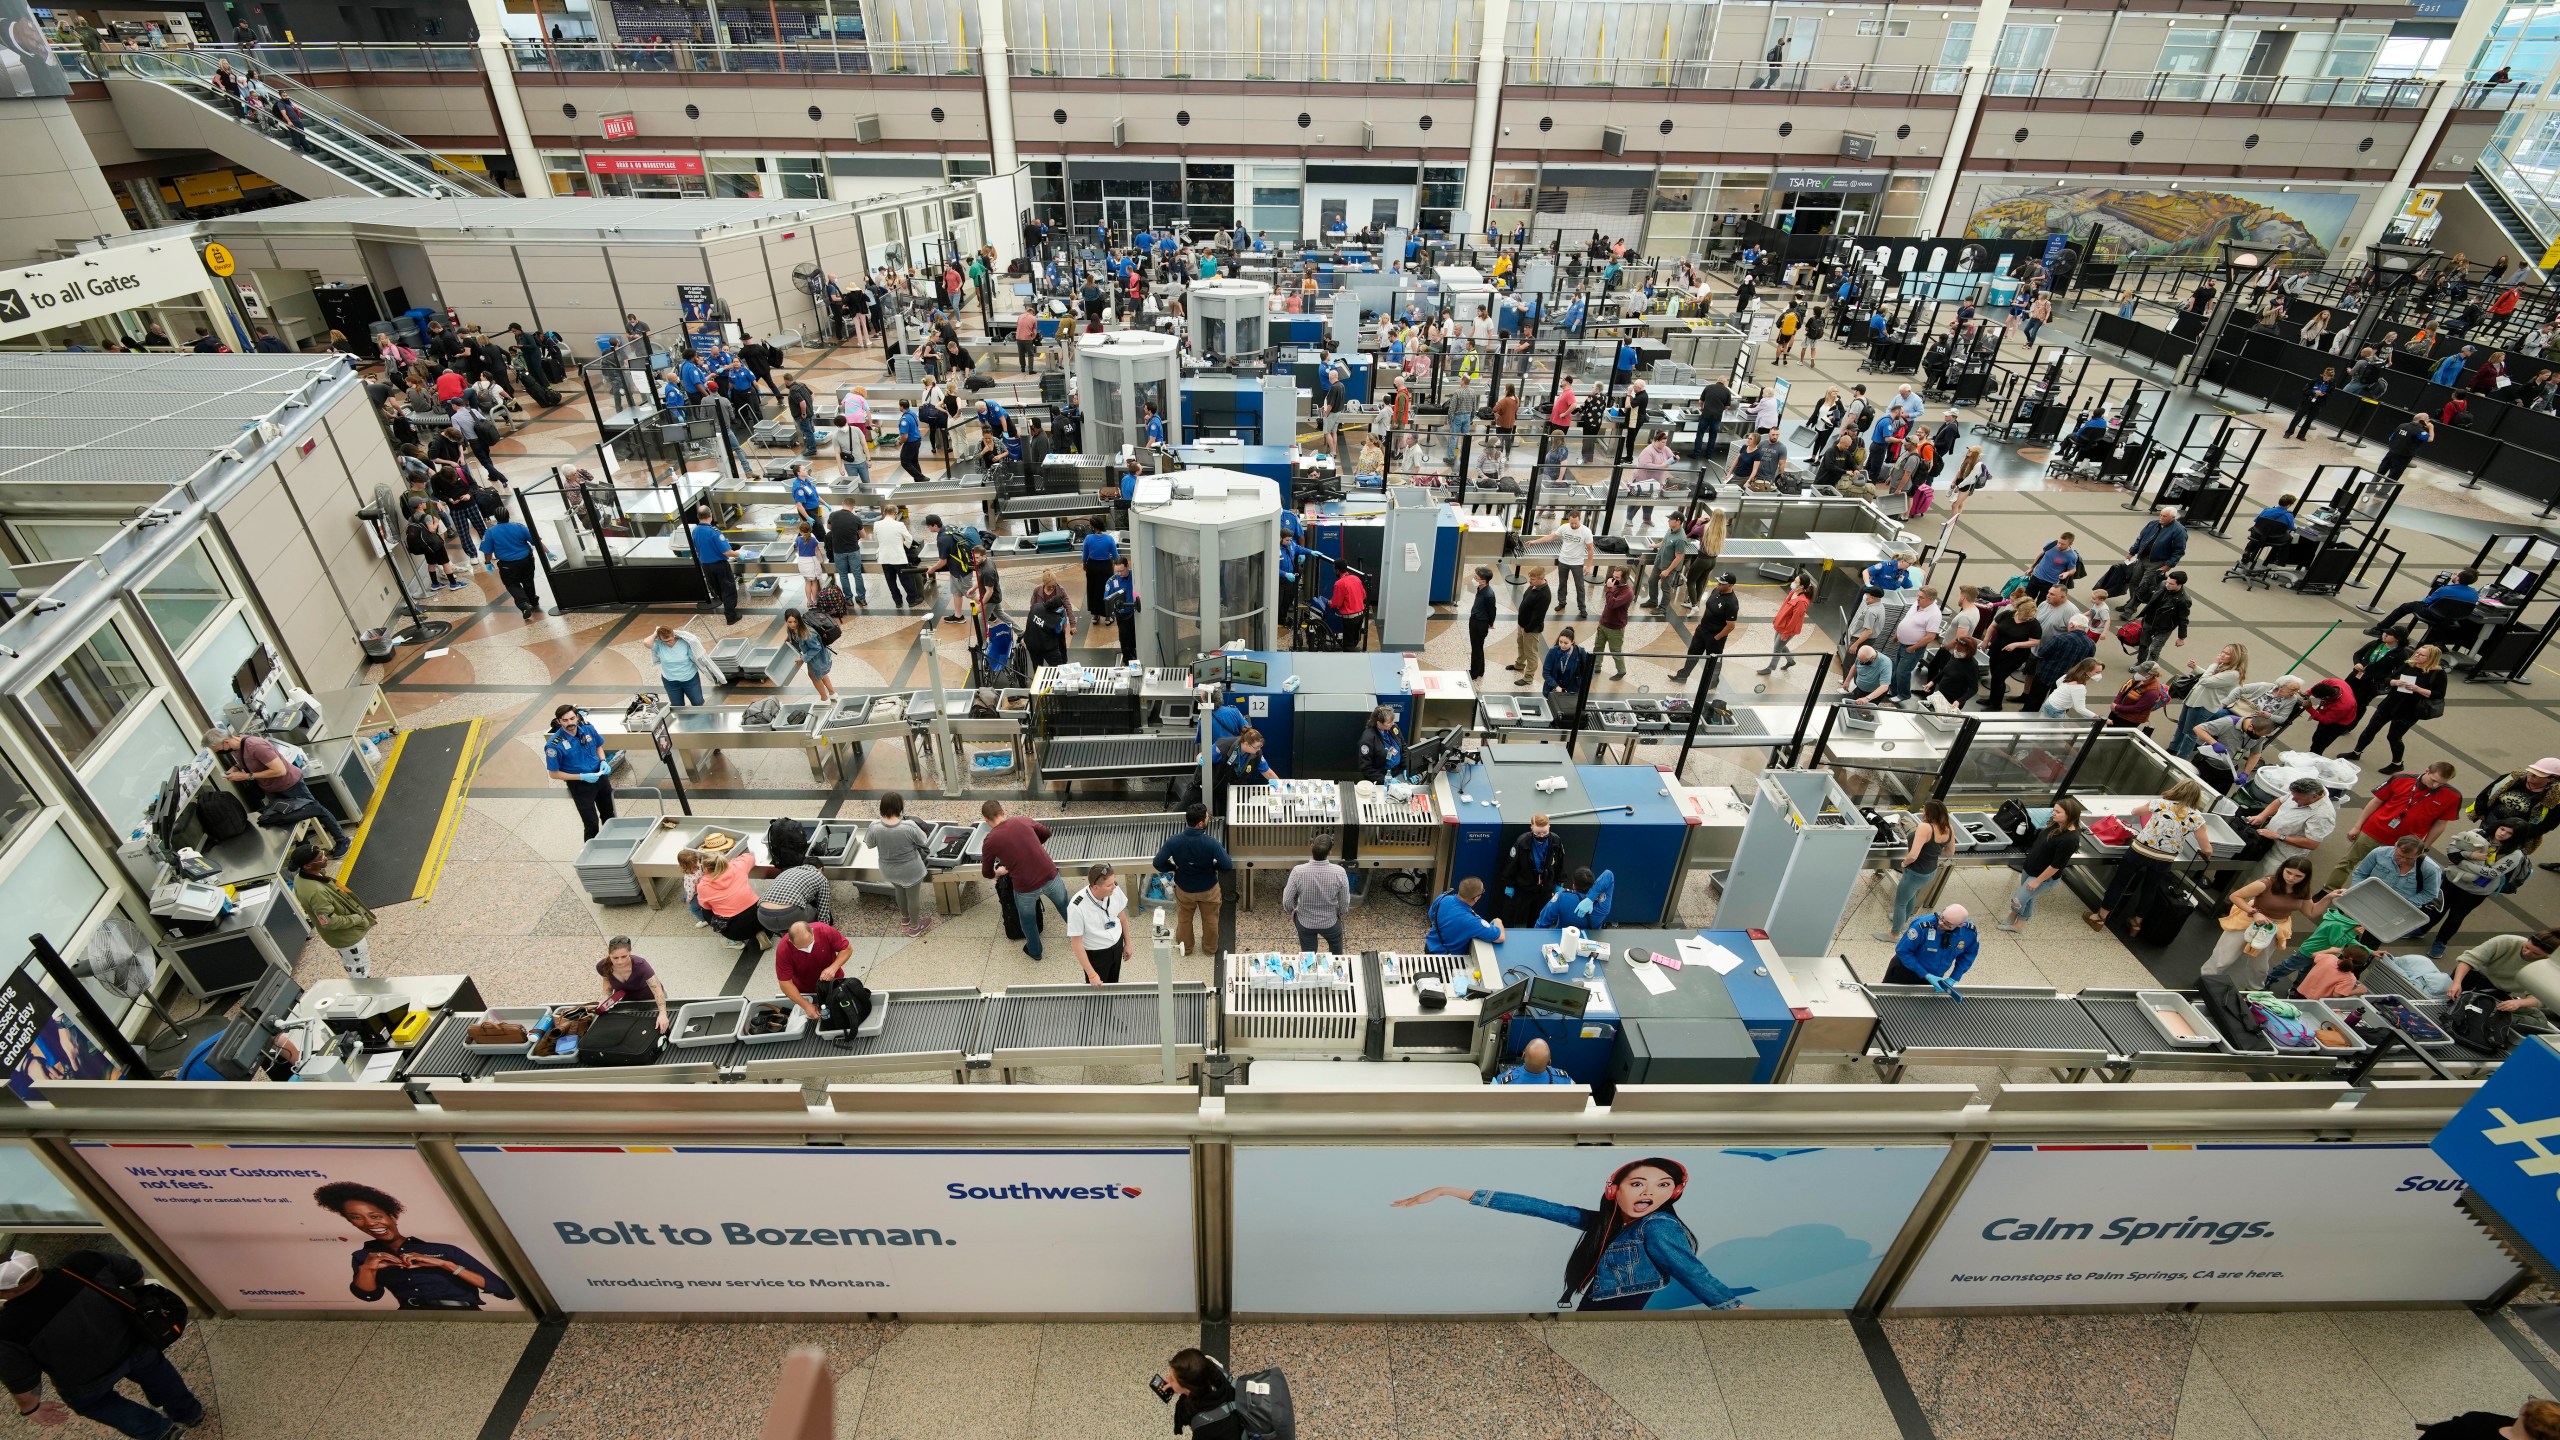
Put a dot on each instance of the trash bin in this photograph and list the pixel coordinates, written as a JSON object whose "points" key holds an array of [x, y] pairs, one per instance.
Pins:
{"points": [[377, 644]]}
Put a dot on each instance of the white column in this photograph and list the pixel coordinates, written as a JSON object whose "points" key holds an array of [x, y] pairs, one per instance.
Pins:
{"points": [[490, 16], [2452, 76], [997, 53], [1988, 17], [1488, 120]]}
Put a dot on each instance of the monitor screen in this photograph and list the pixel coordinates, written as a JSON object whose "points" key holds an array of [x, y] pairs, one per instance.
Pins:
{"points": [[272, 998], [1536, 993], [2515, 578], [1241, 671], [242, 1050]]}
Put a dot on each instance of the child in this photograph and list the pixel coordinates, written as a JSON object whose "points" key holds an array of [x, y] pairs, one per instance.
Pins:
{"points": [[811, 561], [425, 539], [689, 864]]}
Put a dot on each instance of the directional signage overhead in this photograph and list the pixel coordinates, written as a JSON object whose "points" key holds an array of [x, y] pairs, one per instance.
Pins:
{"points": [[101, 282]]}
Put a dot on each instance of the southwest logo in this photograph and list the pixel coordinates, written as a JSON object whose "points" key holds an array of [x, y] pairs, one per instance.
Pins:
{"points": [[1025, 1190]]}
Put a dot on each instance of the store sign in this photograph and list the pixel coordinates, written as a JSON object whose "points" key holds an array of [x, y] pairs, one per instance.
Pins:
{"points": [[620, 127], [644, 164], [831, 1229], [306, 1227], [2042, 1226], [1478, 1230], [100, 282], [2505, 1144], [1829, 181]]}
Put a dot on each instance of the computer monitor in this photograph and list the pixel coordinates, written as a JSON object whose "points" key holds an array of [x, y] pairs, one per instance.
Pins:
{"points": [[168, 811], [253, 672], [272, 998], [1241, 671], [242, 1050], [2516, 579], [1536, 993]]}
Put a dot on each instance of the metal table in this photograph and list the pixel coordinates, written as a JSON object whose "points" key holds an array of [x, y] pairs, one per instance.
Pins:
{"points": [[2000, 1025], [1030, 1025], [707, 729]]}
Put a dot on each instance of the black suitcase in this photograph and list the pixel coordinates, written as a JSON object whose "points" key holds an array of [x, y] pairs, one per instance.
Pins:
{"points": [[624, 1035], [1006, 912], [2168, 914]]}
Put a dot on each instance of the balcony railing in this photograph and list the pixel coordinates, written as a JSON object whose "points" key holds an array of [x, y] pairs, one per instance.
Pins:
{"points": [[2146, 85], [325, 57], [1522, 67], [1344, 68], [810, 56]]}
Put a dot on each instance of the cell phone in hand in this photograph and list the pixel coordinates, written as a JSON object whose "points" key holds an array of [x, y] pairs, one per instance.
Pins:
{"points": [[1163, 1388]]}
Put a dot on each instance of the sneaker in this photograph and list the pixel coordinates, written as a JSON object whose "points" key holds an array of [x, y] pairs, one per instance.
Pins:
{"points": [[2012, 929], [1884, 935], [2436, 951]]}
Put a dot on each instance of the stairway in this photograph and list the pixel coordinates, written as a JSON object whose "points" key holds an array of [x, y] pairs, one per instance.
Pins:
{"points": [[168, 101], [2510, 222]]}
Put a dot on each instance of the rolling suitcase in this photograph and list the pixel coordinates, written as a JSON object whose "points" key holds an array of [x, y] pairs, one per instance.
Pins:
{"points": [[2167, 915], [624, 1035]]}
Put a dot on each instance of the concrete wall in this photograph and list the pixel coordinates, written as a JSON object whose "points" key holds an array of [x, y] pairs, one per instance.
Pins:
{"points": [[55, 193]]}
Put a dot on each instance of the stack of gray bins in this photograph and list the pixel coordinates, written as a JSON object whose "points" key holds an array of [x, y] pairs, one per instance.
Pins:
{"points": [[604, 863], [906, 370], [1672, 372]]}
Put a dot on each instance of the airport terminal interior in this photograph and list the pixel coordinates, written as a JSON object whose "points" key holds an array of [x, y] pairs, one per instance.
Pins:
{"points": [[1157, 682]]}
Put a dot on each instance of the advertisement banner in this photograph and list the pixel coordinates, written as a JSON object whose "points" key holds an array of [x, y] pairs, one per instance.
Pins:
{"points": [[27, 67], [39, 1042], [2045, 1225], [306, 1227], [1468, 1230], [826, 1229]]}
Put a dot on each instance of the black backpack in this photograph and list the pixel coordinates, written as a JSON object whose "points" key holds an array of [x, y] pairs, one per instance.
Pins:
{"points": [[824, 626], [786, 842], [220, 815], [1262, 1403], [624, 1035], [843, 1004], [2476, 1023]]}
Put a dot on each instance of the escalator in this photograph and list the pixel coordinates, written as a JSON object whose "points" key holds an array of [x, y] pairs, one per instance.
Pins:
{"points": [[168, 101], [2511, 222]]}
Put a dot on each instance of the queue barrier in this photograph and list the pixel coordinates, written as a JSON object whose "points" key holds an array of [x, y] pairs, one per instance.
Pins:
{"points": [[1058, 1201]]}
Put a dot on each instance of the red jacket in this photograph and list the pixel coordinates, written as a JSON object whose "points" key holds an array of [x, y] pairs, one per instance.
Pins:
{"points": [[2404, 807], [1350, 597], [2341, 713]]}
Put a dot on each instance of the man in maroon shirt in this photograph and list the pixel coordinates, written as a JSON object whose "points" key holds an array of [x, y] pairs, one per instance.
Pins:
{"points": [[808, 955], [1014, 851]]}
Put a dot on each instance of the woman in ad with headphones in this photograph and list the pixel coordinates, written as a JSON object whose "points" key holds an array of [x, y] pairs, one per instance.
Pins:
{"points": [[1635, 1252]]}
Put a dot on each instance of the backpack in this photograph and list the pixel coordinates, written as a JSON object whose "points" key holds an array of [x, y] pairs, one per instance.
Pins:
{"points": [[624, 1035], [760, 715], [221, 815], [843, 1004], [786, 843], [2476, 1023], [1262, 1403], [822, 624]]}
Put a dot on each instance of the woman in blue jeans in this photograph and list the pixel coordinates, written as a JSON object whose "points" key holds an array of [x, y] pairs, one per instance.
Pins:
{"points": [[2048, 855], [681, 661], [1930, 841]]}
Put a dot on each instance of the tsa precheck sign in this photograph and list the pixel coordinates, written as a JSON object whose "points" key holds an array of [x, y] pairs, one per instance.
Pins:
{"points": [[2506, 1142]]}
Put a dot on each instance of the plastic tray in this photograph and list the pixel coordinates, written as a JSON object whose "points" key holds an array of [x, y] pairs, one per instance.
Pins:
{"points": [[741, 845], [2403, 1013], [524, 1015], [2153, 1002], [799, 1022], [2379, 908], [2316, 1015], [707, 1022]]}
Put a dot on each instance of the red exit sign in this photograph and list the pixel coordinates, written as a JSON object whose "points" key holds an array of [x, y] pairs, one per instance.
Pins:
{"points": [[620, 127]]}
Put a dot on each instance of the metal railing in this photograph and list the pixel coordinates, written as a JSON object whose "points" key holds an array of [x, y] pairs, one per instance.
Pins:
{"points": [[1527, 67], [2147, 85], [2531, 197], [688, 56], [396, 163], [298, 58], [1341, 67]]}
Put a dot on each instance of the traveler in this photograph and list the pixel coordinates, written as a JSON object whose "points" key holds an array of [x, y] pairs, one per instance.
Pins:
{"points": [[1095, 931], [2141, 696], [2486, 862], [1911, 636], [510, 545], [2407, 868], [2209, 694], [2528, 797], [2296, 825], [1198, 1385], [681, 658], [1617, 597], [805, 958], [896, 544], [725, 900], [1317, 897], [1788, 624], [342, 920], [628, 979], [2332, 706], [1931, 841], [1943, 945], [2160, 546], [1536, 1066], [2538, 1420], [1719, 619], [2260, 924], [900, 847], [2055, 659], [286, 797], [1573, 561], [2415, 694], [1454, 924], [1197, 863], [1016, 851], [1868, 678], [1535, 601], [69, 1324], [815, 654], [573, 753], [2057, 563], [2495, 963], [844, 529], [2048, 855], [2165, 615], [1480, 617], [2162, 832]]}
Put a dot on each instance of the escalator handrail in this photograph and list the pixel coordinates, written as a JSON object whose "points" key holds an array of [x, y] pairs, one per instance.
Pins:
{"points": [[389, 157]]}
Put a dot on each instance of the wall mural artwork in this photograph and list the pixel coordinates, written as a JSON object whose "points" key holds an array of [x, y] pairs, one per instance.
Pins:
{"points": [[2165, 222]]}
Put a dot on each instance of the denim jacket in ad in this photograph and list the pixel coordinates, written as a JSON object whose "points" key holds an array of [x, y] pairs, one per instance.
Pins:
{"points": [[1646, 1258]]}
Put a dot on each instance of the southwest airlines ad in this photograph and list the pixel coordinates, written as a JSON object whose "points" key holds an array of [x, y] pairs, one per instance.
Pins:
{"points": [[2049, 1225], [1506, 1229], [715, 1228]]}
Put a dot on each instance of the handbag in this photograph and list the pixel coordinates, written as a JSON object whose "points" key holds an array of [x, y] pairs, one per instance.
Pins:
{"points": [[2180, 687], [157, 1315]]}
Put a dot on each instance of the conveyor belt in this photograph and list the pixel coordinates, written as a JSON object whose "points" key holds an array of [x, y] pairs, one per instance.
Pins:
{"points": [[1022, 507], [2031, 1023], [2131, 1034], [1043, 1018], [927, 1023], [1082, 757], [1075, 843]]}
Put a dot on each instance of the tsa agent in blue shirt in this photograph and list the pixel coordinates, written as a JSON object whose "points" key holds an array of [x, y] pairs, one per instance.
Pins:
{"points": [[1537, 1067], [690, 371], [1100, 550], [1120, 607], [1455, 925], [1155, 427], [711, 551], [1627, 358], [1582, 901], [910, 442], [510, 544], [573, 754], [671, 397], [1935, 947], [804, 493], [1888, 574]]}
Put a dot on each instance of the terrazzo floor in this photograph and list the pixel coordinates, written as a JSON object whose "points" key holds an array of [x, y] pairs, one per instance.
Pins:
{"points": [[509, 912]]}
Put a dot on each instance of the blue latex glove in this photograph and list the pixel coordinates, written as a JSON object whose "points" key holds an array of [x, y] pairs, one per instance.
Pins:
{"points": [[595, 775], [1944, 986], [1582, 911]]}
